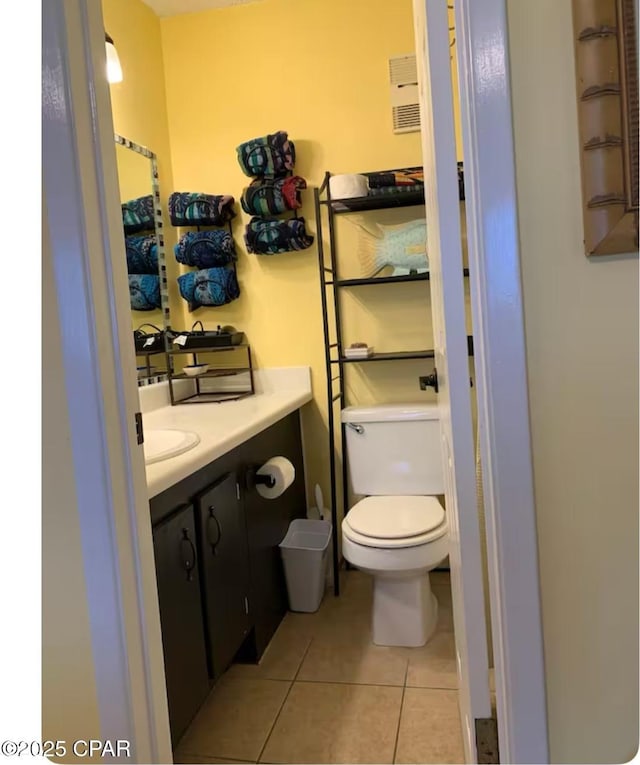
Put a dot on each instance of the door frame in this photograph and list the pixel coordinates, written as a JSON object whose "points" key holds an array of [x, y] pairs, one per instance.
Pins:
{"points": [[81, 192], [449, 322], [84, 226], [501, 378]]}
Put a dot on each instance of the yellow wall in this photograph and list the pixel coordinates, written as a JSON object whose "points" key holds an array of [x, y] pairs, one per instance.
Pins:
{"points": [[581, 320], [139, 107], [319, 70]]}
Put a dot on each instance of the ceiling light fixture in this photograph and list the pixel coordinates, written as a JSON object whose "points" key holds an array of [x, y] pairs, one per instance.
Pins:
{"points": [[114, 70]]}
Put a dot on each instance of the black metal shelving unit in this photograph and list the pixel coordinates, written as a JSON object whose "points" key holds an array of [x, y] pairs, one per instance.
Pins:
{"points": [[199, 395], [335, 359], [151, 373]]}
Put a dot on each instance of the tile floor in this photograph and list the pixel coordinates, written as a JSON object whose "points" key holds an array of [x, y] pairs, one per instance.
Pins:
{"points": [[324, 693]]}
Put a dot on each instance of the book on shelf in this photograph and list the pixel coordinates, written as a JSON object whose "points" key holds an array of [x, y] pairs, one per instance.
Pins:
{"points": [[358, 353]]}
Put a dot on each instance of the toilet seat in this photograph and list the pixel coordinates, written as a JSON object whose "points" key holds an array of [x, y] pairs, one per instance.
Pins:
{"points": [[395, 521]]}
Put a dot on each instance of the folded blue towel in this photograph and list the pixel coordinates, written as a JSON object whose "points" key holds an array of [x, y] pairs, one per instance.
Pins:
{"points": [[266, 236], [205, 249], [142, 254], [211, 286], [188, 208], [144, 292], [272, 196], [138, 215], [269, 155]]}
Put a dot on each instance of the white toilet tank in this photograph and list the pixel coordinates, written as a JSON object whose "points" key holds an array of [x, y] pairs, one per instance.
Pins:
{"points": [[394, 449]]}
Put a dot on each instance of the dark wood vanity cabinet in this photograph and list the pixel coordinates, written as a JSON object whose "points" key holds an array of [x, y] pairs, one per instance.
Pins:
{"points": [[177, 574], [230, 601], [224, 571]]}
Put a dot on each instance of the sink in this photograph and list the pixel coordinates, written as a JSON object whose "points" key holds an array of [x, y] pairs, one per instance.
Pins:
{"points": [[164, 444]]}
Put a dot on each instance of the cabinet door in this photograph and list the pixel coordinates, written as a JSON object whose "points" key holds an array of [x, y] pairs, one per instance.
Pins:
{"points": [[225, 571], [185, 665]]}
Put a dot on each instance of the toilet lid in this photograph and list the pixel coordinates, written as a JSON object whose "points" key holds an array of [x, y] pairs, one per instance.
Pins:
{"points": [[393, 517]]}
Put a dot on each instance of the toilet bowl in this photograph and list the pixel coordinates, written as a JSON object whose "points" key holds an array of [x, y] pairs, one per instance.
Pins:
{"points": [[398, 540], [398, 532]]}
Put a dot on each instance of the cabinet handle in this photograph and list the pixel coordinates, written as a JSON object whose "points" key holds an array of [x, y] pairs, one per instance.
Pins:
{"points": [[189, 564], [218, 532]]}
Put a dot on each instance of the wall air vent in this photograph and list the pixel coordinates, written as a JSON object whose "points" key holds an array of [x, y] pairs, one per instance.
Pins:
{"points": [[405, 102]]}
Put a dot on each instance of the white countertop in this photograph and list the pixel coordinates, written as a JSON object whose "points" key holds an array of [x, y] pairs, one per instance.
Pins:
{"points": [[222, 426]]}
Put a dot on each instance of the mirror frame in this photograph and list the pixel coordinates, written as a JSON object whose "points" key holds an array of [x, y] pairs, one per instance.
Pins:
{"points": [[158, 223], [607, 91]]}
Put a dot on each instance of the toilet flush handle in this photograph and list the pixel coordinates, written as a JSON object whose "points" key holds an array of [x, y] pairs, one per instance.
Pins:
{"points": [[429, 381], [358, 428]]}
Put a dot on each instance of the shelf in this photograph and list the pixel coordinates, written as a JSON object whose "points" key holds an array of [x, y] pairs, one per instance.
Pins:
{"points": [[377, 202], [214, 398], [386, 279], [393, 356], [398, 355], [150, 353], [210, 349], [199, 396], [406, 197], [380, 280], [211, 373]]}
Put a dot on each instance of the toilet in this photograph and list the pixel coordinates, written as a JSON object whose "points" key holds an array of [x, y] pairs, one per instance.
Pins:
{"points": [[398, 532]]}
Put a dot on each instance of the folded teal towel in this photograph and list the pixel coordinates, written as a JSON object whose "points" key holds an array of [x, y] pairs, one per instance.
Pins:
{"points": [[268, 155], [272, 196], [138, 215], [144, 292], [188, 208], [142, 254], [211, 287], [205, 249], [270, 236]]}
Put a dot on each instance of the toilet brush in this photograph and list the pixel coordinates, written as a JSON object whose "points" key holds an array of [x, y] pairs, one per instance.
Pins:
{"points": [[319, 501]]}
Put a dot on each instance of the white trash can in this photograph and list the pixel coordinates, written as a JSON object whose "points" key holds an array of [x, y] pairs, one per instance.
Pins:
{"points": [[305, 555]]}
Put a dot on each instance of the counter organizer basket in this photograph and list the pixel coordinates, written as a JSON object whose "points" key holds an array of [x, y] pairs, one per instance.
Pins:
{"points": [[217, 338], [215, 382], [148, 344]]}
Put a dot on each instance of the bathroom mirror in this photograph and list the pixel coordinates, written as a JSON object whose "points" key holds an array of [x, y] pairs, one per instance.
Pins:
{"points": [[144, 244]]}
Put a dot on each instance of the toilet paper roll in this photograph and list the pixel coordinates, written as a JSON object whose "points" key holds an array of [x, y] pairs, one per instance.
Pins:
{"points": [[348, 186], [283, 474]]}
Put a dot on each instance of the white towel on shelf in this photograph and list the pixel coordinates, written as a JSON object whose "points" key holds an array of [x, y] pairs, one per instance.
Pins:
{"points": [[348, 186], [359, 352]]}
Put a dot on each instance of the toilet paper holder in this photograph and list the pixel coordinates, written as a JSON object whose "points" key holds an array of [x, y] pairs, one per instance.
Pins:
{"points": [[268, 480], [254, 478], [273, 478]]}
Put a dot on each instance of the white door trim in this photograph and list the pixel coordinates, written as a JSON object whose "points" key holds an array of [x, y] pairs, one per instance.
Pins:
{"points": [[444, 245], [82, 201], [501, 378]]}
